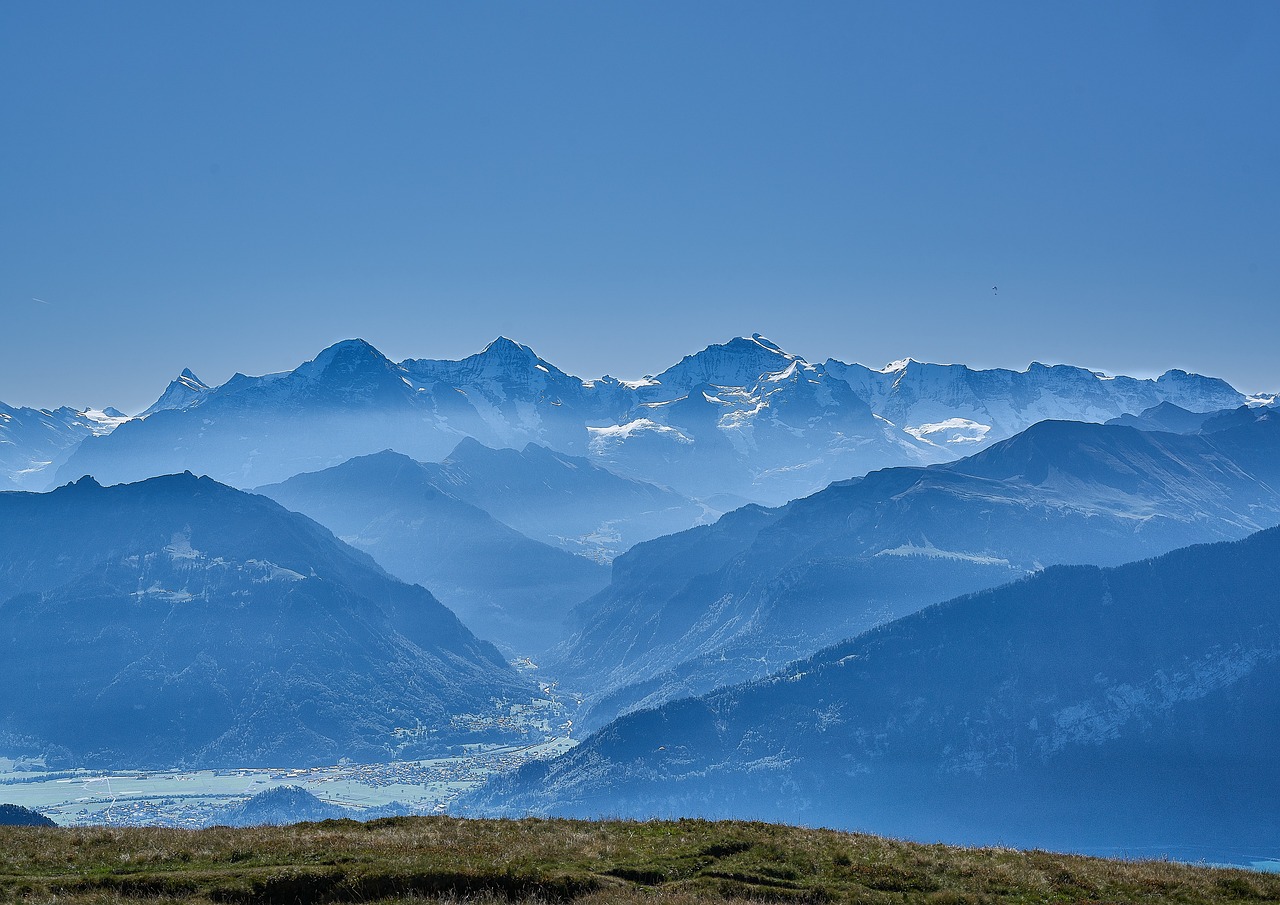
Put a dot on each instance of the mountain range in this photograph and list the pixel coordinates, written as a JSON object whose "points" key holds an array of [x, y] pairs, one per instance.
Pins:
{"points": [[1122, 710], [178, 621], [689, 555], [737, 599], [566, 501], [737, 422], [34, 442], [508, 588]]}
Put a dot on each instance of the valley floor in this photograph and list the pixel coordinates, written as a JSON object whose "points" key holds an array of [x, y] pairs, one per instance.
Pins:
{"points": [[447, 859], [190, 799]]}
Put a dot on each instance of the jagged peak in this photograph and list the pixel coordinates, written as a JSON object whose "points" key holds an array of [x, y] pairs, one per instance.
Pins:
{"points": [[762, 341], [750, 344], [504, 359], [189, 378], [738, 362], [505, 346], [183, 391], [346, 358], [900, 365], [348, 349], [504, 350]]}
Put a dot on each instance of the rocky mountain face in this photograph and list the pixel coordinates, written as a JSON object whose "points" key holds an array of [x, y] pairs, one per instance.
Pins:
{"points": [[181, 393], [180, 622], [742, 421], [506, 587], [1122, 710], [737, 599]]}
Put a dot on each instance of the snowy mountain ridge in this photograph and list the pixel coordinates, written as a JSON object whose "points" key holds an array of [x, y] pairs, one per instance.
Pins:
{"points": [[34, 440], [957, 406], [745, 418]]}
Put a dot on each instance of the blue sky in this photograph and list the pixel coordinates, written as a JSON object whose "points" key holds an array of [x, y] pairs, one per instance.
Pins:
{"points": [[233, 186]]}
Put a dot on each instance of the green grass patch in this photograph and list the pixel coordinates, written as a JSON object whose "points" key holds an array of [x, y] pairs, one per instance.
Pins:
{"points": [[441, 859]]}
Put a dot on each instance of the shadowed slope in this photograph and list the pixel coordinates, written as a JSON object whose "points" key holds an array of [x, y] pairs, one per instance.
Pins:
{"points": [[505, 586], [180, 621]]}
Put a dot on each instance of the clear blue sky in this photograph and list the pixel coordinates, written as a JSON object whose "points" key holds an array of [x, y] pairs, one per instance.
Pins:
{"points": [[232, 186]]}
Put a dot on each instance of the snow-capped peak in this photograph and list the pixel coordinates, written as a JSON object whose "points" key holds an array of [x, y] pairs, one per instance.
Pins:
{"points": [[103, 421], [740, 362], [183, 392], [507, 362], [767, 344], [894, 367], [347, 354], [508, 347]]}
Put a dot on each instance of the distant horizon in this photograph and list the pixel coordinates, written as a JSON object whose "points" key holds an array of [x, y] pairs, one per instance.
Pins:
{"points": [[216, 380]]}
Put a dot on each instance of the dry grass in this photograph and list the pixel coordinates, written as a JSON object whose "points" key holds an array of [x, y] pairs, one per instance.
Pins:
{"points": [[440, 859]]}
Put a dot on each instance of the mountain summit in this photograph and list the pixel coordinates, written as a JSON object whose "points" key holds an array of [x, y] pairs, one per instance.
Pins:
{"points": [[743, 420], [182, 393]]}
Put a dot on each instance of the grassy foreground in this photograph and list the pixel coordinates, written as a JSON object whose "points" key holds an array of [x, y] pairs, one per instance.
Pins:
{"points": [[662, 863]]}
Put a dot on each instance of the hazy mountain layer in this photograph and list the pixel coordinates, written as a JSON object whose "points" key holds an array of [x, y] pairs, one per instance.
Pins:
{"points": [[34, 442], [1129, 709], [959, 407], [737, 599], [506, 587], [1166, 417], [743, 420], [567, 501]]}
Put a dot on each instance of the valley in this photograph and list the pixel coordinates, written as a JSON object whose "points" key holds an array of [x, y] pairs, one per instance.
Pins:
{"points": [[483, 587], [661, 453], [194, 799]]}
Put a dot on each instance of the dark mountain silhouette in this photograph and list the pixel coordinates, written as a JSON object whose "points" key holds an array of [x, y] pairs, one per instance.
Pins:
{"points": [[179, 621], [17, 815]]}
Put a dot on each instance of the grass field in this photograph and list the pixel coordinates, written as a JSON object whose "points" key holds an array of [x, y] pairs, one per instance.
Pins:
{"points": [[663, 863]]}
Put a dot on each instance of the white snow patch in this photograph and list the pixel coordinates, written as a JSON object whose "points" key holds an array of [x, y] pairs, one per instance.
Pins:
{"points": [[952, 430], [617, 432], [274, 572], [895, 366], [933, 552]]}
